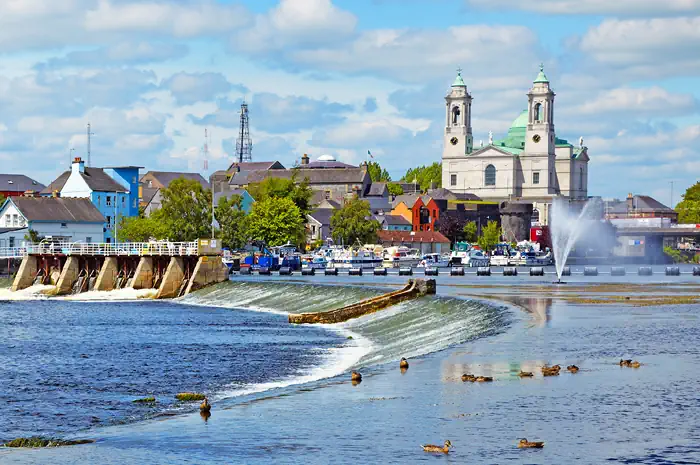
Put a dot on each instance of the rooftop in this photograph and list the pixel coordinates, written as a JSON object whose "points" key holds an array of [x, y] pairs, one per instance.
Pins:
{"points": [[96, 179], [166, 177], [412, 236], [57, 209], [19, 183]]}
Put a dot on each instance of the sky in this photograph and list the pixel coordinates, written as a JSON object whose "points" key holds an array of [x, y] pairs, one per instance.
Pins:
{"points": [[342, 77]]}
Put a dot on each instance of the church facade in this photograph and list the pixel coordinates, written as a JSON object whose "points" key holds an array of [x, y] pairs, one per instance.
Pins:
{"points": [[530, 164]]}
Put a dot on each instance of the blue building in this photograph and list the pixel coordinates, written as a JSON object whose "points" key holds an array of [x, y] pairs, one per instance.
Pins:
{"points": [[247, 200], [114, 191]]}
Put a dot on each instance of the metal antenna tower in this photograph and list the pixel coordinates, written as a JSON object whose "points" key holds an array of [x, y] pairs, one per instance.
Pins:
{"points": [[244, 144], [89, 134]]}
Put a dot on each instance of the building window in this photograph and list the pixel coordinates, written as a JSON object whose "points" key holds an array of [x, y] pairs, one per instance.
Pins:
{"points": [[453, 180], [123, 201], [328, 195], [12, 242], [108, 201], [538, 112], [536, 177], [109, 240], [8, 221], [490, 176], [15, 220], [21, 221], [64, 225], [99, 200], [109, 221]]}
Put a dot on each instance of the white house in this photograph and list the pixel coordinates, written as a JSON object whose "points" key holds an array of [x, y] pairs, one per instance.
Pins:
{"points": [[62, 219]]}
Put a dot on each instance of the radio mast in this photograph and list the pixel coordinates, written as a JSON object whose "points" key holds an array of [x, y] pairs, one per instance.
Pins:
{"points": [[244, 145]]}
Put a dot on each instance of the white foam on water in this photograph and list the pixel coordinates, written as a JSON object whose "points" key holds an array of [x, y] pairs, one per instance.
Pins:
{"points": [[37, 292], [337, 361], [117, 295]]}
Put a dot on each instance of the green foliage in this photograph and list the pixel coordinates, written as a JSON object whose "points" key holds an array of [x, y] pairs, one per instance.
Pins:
{"points": [[394, 189], [689, 208], [36, 441], [470, 232], [377, 173], [145, 400], [279, 188], [276, 221], [351, 223], [232, 222], [137, 229], [2, 199], [673, 254], [186, 210], [425, 175], [490, 236], [32, 236], [189, 396]]}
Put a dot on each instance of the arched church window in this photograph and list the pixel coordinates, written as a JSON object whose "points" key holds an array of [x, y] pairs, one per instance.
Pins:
{"points": [[455, 115], [490, 176], [538, 112]]}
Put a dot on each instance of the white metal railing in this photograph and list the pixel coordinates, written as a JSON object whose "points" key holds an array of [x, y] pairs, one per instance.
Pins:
{"points": [[121, 249], [12, 252]]}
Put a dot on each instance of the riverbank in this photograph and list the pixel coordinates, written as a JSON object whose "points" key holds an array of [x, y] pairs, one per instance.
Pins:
{"points": [[603, 413]]}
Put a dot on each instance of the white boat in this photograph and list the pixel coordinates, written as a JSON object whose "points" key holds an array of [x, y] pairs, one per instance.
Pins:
{"points": [[502, 256], [318, 262], [400, 256], [460, 254], [353, 258], [538, 259], [476, 258], [434, 260]]}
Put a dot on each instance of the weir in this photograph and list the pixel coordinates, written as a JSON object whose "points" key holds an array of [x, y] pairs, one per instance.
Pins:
{"points": [[173, 269], [414, 289]]}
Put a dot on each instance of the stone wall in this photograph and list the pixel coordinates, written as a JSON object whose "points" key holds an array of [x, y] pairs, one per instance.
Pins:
{"points": [[516, 220], [209, 270]]}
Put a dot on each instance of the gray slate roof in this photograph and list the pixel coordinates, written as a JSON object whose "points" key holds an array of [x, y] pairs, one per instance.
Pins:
{"points": [[377, 189], [320, 165], [315, 176], [409, 200], [147, 194], [96, 179], [393, 220], [322, 215], [641, 203], [19, 183], [58, 209], [166, 177], [256, 165], [228, 194]]}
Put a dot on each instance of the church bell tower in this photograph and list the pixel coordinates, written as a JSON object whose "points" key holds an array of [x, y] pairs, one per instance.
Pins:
{"points": [[540, 139], [458, 128]]}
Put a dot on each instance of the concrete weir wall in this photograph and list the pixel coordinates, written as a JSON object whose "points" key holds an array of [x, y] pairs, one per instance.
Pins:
{"points": [[108, 275], [413, 290], [208, 271], [172, 280], [69, 275], [26, 273]]}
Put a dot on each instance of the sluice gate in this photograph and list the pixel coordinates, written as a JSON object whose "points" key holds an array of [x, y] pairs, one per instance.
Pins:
{"points": [[172, 269]]}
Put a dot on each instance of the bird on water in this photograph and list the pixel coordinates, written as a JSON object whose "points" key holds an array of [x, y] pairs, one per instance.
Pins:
{"points": [[433, 448]]}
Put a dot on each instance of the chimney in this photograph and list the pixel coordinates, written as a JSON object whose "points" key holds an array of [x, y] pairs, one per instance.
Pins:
{"points": [[78, 165], [305, 159], [630, 202], [55, 194]]}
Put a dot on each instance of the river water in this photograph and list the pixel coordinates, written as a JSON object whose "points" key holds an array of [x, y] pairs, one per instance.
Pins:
{"points": [[281, 394]]}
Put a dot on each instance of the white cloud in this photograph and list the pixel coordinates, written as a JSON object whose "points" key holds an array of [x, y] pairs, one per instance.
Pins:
{"points": [[595, 7], [123, 53], [652, 102], [190, 88], [360, 134], [646, 48]]}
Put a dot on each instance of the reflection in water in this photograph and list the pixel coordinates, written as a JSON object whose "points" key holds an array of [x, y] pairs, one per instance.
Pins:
{"points": [[205, 416], [539, 307], [453, 371]]}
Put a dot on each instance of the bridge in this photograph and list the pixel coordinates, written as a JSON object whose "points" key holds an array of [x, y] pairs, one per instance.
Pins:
{"points": [[677, 231], [132, 249]]}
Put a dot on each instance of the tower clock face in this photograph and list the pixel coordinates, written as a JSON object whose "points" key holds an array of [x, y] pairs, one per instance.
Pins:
{"points": [[454, 141], [536, 138]]}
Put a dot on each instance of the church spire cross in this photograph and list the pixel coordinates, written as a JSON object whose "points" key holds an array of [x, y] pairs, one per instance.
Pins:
{"points": [[459, 70]]}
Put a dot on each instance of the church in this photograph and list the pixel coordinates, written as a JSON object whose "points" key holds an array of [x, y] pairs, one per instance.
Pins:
{"points": [[530, 164]]}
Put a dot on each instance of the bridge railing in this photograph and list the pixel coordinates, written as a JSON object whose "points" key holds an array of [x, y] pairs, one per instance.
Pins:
{"points": [[12, 252], [139, 249]]}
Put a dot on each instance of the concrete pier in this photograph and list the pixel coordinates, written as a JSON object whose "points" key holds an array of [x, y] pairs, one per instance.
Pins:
{"points": [[69, 275], [209, 270], [172, 280], [143, 278], [26, 273], [413, 290], [108, 275]]}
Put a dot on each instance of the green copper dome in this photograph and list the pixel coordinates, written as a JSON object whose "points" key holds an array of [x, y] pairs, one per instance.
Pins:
{"points": [[515, 140], [541, 77], [459, 82], [520, 122]]}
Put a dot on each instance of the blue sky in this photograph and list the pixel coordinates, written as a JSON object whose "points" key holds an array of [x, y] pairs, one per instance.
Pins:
{"points": [[345, 76]]}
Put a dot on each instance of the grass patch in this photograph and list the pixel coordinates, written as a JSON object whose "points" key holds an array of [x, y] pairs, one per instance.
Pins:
{"points": [[145, 400], [36, 441], [189, 396]]}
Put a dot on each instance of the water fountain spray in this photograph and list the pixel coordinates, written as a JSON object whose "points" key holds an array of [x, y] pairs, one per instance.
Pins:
{"points": [[566, 228]]}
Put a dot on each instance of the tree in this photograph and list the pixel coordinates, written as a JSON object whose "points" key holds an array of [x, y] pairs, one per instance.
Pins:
{"points": [[451, 226], [232, 222], [140, 229], [377, 173], [470, 231], [352, 223], [31, 236], [394, 189], [276, 221], [2, 200], [425, 175], [186, 210], [490, 236], [689, 208], [280, 188]]}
